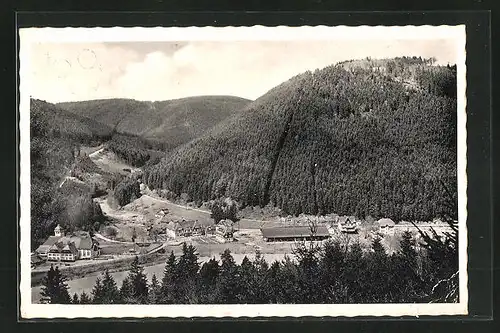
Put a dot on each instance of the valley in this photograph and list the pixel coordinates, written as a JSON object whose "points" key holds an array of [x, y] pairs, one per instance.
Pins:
{"points": [[358, 157]]}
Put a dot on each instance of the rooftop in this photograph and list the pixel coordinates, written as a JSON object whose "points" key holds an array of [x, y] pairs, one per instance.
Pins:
{"points": [[386, 222]]}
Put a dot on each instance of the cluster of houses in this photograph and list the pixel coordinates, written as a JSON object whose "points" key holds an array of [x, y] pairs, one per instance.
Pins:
{"points": [[223, 230], [187, 228], [173, 229], [61, 247], [81, 245]]}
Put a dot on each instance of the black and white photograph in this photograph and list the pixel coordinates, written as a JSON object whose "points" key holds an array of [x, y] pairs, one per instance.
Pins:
{"points": [[243, 171]]}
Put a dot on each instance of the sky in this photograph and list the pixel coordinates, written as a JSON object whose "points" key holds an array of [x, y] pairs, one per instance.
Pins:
{"points": [[154, 71]]}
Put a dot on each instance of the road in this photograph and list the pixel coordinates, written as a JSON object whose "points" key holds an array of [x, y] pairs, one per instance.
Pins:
{"points": [[110, 240], [96, 152]]}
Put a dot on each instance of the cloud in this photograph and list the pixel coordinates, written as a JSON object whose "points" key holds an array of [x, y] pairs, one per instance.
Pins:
{"points": [[162, 71]]}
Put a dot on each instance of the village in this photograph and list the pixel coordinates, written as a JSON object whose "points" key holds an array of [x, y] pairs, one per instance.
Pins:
{"points": [[160, 230]]}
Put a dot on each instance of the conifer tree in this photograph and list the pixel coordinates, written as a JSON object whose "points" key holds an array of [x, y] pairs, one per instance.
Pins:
{"points": [[138, 282], [228, 282], [247, 282], [407, 281], [186, 275], [355, 275], [209, 274], [154, 290], [126, 292], [289, 291], [261, 279], [109, 290], [97, 292], [274, 282], [307, 256], [75, 299], [332, 269], [54, 288], [379, 275], [84, 298], [168, 283]]}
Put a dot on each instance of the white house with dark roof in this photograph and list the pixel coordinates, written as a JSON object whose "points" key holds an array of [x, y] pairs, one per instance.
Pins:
{"points": [[386, 226], [79, 245]]}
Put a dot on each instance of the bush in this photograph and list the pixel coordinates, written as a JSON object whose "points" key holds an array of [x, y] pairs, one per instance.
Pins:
{"points": [[224, 209], [110, 232]]}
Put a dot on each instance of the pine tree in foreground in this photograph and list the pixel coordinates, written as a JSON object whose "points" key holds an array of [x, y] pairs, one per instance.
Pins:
{"points": [[110, 292], [138, 282], [84, 298], [54, 288], [154, 291], [168, 283], [228, 282], [126, 292], [209, 274], [187, 275], [97, 292]]}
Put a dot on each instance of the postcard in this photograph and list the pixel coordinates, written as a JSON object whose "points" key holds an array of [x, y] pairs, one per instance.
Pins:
{"points": [[243, 172]]}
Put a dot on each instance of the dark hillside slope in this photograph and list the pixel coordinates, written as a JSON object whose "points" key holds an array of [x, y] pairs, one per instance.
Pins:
{"points": [[55, 139], [355, 141], [168, 123], [52, 121]]}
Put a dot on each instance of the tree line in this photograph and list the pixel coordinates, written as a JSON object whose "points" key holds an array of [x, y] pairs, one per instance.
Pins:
{"points": [[335, 272]]}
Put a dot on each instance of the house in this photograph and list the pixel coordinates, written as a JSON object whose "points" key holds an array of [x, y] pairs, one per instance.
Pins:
{"points": [[79, 245], [224, 231], [295, 233], [386, 226], [347, 224]]}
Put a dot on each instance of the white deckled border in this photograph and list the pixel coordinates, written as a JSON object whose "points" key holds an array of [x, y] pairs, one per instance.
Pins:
{"points": [[29, 36]]}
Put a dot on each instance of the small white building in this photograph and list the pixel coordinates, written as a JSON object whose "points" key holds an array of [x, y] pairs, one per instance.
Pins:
{"points": [[224, 231]]}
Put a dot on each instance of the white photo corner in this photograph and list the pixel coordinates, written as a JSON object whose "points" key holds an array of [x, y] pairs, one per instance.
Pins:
{"points": [[243, 171]]}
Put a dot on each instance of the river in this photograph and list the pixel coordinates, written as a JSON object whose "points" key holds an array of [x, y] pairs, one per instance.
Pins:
{"points": [[87, 283]]}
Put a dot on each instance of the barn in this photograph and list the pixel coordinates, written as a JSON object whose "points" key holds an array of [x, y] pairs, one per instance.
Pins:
{"points": [[294, 233]]}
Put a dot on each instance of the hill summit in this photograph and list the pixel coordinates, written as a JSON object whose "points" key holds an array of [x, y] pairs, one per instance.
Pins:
{"points": [[346, 139], [168, 124]]}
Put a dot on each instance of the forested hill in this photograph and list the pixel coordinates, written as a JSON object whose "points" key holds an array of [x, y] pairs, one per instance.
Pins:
{"points": [[167, 123], [47, 119], [55, 139], [350, 140]]}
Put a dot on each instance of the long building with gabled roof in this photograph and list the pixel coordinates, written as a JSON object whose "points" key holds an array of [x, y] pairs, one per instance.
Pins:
{"points": [[295, 233]]}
